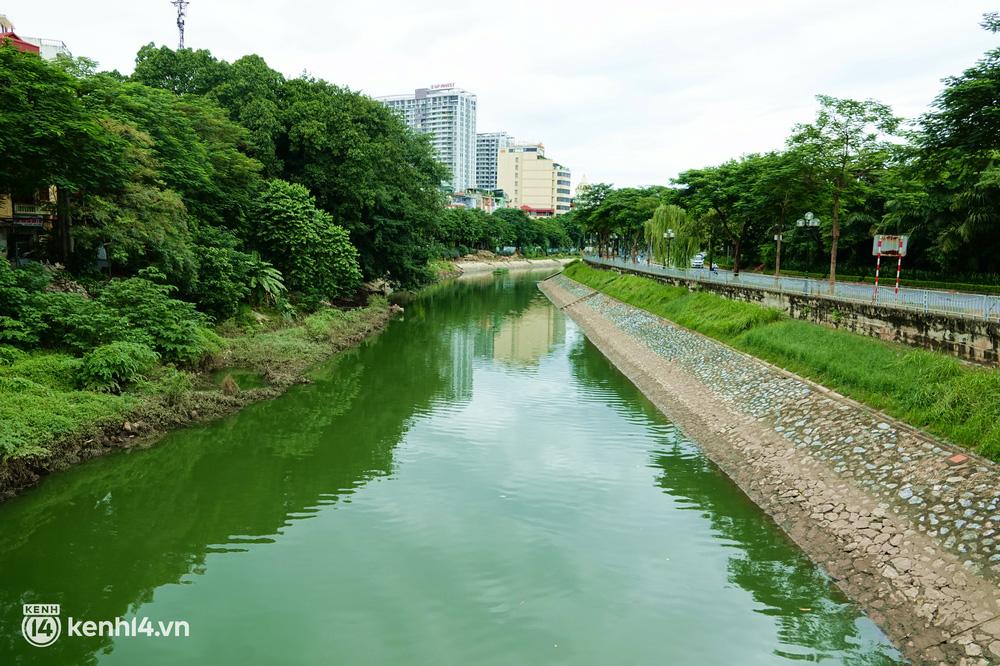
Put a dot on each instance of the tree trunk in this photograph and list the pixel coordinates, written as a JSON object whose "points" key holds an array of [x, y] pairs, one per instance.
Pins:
{"points": [[711, 252], [781, 229], [64, 222], [834, 237], [736, 257]]}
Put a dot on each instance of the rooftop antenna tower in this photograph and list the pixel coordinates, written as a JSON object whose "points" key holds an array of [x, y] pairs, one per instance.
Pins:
{"points": [[181, 6]]}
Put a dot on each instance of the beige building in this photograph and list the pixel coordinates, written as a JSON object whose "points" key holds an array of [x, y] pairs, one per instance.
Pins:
{"points": [[533, 182], [525, 339]]}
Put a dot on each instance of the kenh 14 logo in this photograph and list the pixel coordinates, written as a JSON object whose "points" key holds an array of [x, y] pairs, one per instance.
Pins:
{"points": [[41, 625]]}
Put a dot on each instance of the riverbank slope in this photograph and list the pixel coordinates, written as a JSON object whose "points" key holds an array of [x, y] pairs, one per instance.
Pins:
{"points": [[512, 264], [266, 357], [903, 531]]}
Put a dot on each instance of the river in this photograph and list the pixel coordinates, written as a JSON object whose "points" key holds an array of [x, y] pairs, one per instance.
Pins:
{"points": [[476, 485]]}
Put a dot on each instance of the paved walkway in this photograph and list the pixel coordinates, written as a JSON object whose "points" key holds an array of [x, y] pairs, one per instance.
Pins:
{"points": [[963, 304], [931, 528]]}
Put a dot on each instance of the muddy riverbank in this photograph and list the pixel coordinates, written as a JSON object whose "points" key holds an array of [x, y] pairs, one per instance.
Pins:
{"points": [[903, 531]]}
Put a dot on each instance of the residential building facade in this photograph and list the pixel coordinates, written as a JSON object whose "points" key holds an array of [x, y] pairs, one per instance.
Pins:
{"points": [[448, 115], [488, 146], [485, 200], [536, 184], [24, 222], [48, 49]]}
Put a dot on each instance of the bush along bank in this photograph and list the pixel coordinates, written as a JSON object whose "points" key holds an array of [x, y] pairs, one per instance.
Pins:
{"points": [[95, 372], [925, 389]]}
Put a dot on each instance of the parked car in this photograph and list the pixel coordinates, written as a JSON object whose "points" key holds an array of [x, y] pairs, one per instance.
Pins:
{"points": [[698, 260]]}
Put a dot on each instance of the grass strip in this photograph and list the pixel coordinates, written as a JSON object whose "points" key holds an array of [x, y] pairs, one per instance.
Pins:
{"points": [[926, 389]]}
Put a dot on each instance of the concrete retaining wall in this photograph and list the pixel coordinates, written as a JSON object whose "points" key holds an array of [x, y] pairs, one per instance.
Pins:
{"points": [[969, 339]]}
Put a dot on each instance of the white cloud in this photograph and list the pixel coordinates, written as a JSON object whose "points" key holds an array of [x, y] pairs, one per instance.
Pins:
{"points": [[629, 92]]}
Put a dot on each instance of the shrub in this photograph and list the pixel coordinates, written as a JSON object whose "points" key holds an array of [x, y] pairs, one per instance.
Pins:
{"points": [[229, 385], [12, 294], [33, 277], [16, 331], [57, 371], [174, 385], [71, 320], [114, 366], [223, 273], [173, 328], [10, 355], [315, 255]]}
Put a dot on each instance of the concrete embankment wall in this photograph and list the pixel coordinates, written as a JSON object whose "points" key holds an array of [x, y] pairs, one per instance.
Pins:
{"points": [[907, 534], [513, 264], [968, 338]]}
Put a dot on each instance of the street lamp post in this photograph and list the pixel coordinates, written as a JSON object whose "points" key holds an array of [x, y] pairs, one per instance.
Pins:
{"points": [[808, 221], [668, 236], [777, 255]]}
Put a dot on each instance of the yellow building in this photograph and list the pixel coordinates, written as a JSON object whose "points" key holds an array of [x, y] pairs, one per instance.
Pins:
{"points": [[525, 339], [533, 182], [23, 221]]}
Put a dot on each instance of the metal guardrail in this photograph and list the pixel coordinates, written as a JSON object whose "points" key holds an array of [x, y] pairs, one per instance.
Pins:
{"points": [[983, 307]]}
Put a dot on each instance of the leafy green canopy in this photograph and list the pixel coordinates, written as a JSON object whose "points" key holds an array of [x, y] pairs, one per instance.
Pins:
{"points": [[365, 167], [315, 255]]}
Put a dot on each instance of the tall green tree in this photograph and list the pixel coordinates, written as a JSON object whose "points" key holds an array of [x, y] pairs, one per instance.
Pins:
{"points": [[184, 71], [591, 217], [378, 179], [953, 193], [717, 195], [844, 145], [49, 137]]}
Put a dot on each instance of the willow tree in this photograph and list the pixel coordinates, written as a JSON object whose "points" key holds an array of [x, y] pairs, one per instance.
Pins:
{"points": [[665, 231]]}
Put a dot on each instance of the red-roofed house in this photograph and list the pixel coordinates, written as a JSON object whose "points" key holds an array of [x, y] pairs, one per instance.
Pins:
{"points": [[18, 43]]}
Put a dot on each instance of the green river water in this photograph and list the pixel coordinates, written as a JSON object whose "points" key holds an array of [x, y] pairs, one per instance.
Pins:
{"points": [[476, 485]]}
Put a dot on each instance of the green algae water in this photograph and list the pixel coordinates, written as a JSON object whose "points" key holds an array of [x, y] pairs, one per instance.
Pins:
{"points": [[476, 485]]}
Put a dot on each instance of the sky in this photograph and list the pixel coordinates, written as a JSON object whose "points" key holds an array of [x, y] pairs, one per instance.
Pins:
{"points": [[629, 92]]}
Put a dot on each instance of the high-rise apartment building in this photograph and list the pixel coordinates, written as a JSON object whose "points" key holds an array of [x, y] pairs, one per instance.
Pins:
{"points": [[533, 182], [448, 115], [488, 146]]}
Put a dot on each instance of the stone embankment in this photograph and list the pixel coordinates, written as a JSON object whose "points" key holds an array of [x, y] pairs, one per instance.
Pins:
{"points": [[906, 525], [512, 264]]}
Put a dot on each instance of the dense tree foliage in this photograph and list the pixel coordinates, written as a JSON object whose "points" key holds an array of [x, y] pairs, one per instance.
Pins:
{"points": [[857, 171], [302, 241], [195, 187], [178, 166]]}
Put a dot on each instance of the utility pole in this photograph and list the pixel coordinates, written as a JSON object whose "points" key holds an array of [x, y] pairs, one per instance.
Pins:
{"points": [[181, 6]]}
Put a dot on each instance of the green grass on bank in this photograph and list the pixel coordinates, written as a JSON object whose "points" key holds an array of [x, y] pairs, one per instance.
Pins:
{"points": [[43, 402], [926, 389]]}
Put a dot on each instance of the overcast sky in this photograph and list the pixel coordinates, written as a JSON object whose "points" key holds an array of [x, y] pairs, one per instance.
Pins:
{"points": [[627, 91]]}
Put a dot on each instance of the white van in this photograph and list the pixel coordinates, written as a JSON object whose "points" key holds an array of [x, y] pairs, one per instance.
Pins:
{"points": [[698, 260]]}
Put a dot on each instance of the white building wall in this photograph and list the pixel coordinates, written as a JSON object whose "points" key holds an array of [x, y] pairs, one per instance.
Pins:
{"points": [[488, 146], [448, 115]]}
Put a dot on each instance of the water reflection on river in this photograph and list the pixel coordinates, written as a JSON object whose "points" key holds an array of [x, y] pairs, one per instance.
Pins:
{"points": [[475, 485]]}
